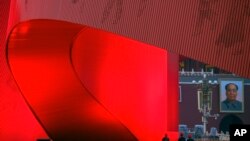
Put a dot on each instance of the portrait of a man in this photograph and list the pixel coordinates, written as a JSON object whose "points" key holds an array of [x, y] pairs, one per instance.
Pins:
{"points": [[231, 99]]}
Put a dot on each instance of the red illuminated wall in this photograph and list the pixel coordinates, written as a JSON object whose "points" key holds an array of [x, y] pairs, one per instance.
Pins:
{"points": [[93, 85]]}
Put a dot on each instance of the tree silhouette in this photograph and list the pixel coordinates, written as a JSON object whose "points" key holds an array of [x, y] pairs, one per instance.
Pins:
{"points": [[234, 30], [205, 12], [26, 4], [117, 5], [75, 1], [142, 7]]}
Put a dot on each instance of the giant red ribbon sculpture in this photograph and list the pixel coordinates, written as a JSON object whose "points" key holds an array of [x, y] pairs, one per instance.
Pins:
{"points": [[85, 84]]}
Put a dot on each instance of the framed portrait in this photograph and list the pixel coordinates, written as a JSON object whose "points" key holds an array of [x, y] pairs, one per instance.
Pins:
{"points": [[231, 95]]}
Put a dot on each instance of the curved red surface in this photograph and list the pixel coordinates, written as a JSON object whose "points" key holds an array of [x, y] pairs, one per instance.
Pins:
{"points": [[39, 57], [86, 84], [126, 76]]}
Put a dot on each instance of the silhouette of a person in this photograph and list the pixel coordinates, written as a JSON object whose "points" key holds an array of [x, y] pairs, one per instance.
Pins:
{"points": [[181, 138], [165, 138]]}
